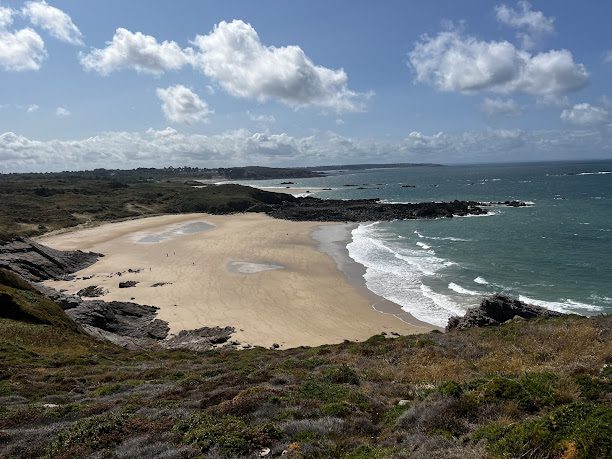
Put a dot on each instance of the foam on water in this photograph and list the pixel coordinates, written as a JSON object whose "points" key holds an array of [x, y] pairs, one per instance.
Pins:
{"points": [[464, 291], [565, 306], [397, 274], [435, 238], [481, 280], [423, 245]]}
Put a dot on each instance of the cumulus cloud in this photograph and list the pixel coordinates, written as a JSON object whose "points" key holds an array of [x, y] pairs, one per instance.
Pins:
{"points": [[532, 24], [261, 118], [54, 21], [164, 147], [181, 105], [585, 115], [62, 112], [452, 61], [608, 57], [500, 107], [136, 51], [233, 55], [32, 108], [20, 50], [6, 17]]}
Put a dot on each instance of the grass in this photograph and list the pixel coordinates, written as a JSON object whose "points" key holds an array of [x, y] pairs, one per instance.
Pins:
{"points": [[473, 393], [33, 205]]}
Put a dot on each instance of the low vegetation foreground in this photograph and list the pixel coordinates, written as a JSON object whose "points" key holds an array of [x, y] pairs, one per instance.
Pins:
{"points": [[536, 389]]}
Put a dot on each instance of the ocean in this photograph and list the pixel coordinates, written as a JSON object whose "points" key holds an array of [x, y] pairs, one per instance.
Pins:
{"points": [[556, 253]]}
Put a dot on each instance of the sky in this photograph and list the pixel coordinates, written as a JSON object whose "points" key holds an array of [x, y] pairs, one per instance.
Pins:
{"points": [[116, 84]]}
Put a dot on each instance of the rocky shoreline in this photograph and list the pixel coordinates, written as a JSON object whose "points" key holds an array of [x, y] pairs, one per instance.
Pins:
{"points": [[496, 310], [364, 210]]}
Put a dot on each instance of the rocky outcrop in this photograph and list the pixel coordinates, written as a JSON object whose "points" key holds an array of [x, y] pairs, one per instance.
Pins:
{"points": [[36, 262], [92, 291], [496, 310], [120, 318], [133, 325], [201, 339], [361, 210]]}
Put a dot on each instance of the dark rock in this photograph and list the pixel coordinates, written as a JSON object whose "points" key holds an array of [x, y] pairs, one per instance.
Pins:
{"points": [[514, 203], [36, 262], [275, 346], [201, 339], [159, 284], [496, 310], [92, 291], [287, 183], [265, 208], [112, 320], [408, 186], [128, 284], [361, 210]]}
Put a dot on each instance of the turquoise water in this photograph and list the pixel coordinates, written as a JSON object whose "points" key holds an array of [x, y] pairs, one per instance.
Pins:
{"points": [[557, 253]]}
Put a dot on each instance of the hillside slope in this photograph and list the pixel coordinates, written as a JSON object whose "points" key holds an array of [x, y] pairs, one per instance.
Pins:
{"points": [[538, 389]]}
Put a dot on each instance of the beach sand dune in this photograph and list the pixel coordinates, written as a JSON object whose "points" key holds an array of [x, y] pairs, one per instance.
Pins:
{"points": [[263, 276]]}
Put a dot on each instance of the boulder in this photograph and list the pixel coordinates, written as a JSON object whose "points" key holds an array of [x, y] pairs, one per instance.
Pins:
{"points": [[496, 310]]}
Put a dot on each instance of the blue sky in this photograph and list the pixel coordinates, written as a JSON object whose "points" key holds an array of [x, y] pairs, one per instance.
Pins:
{"points": [[140, 83]]}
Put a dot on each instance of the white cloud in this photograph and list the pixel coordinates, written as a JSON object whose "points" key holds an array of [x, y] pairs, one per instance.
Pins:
{"points": [[181, 105], [261, 118], [54, 21], [552, 100], [585, 115], [26, 108], [20, 50], [451, 61], [608, 57], [533, 23], [500, 107], [136, 51], [62, 112], [6, 17], [233, 55], [156, 148]]}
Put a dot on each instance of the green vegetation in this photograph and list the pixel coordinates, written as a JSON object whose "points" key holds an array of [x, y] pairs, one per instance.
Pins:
{"points": [[470, 394], [37, 203]]}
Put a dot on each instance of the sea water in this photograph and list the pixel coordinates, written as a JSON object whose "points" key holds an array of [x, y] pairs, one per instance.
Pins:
{"points": [[556, 253]]}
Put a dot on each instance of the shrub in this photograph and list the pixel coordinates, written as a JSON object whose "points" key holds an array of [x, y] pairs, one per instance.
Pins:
{"points": [[593, 388], [438, 412], [532, 391], [231, 436], [323, 391], [341, 375], [337, 409], [582, 428]]}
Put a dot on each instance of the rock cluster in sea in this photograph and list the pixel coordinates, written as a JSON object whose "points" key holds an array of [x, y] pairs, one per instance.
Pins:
{"points": [[362, 210]]}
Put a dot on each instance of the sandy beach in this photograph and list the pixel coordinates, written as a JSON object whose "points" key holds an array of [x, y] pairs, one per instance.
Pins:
{"points": [[268, 278]]}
